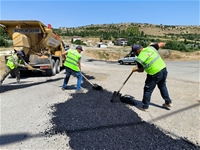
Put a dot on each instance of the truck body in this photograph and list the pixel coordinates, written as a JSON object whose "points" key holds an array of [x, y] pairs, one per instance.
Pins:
{"points": [[41, 47]]}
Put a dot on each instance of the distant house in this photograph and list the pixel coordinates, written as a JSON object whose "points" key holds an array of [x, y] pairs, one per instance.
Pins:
{"points": [[76, 38], [121, 41]]}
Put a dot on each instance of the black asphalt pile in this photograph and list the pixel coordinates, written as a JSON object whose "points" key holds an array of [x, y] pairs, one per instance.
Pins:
{"points": [[91, 121]]}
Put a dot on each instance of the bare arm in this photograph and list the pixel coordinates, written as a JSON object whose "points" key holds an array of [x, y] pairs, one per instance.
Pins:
{"points": [[79, 64], [161, 44], [16, 62], [64, 53]]}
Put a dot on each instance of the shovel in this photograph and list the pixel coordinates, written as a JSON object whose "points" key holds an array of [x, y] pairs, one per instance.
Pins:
{"points": [[31, 68], [116, 95], [95, 86]]}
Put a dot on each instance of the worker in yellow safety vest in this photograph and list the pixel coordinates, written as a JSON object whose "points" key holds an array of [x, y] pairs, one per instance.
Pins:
{"points": [[12, 64], [73, 65], [148, 59]]}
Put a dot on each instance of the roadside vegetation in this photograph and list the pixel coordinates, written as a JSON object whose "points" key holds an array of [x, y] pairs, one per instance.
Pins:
{"points": [[181, 41], [185, 39]]}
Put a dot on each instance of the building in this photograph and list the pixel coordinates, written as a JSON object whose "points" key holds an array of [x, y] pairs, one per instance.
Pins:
{"points": [[76, 38]]}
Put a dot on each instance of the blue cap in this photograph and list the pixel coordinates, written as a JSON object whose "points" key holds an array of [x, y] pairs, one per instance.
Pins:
{"points": [[20, 53], [79, 47], [135, 47]]}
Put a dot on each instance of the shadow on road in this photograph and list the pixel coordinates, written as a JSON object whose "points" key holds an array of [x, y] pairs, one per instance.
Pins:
{"points": [[7, 87], [12, 138], [93, 122]]}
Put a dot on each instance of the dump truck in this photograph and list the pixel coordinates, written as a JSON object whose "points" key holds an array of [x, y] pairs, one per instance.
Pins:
{"points": [[42, 47]]}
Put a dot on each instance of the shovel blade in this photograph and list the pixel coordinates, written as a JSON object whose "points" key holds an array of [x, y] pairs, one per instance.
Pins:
{"points": [[115, 97], [97, 87]]}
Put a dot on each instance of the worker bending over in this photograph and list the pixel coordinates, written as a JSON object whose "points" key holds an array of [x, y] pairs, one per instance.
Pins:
{"points": [[12, 64], [73, 65], [148, 59]]}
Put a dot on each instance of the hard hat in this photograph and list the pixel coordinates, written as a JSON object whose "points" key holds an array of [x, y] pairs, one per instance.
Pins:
{"points": [[135, 47], [20, 53], [79, 47]]}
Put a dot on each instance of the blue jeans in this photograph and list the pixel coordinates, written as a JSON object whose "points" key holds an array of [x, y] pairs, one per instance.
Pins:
{"points": [[68, 74], [158, 79]]}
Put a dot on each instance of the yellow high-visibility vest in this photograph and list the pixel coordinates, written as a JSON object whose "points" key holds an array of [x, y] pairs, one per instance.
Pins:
{"points": [[151, 61], [72, 59], [10, 62]]}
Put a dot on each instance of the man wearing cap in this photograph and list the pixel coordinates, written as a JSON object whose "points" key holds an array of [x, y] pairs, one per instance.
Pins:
{"points": [[73, 65], [12, 64], [148, 59]]}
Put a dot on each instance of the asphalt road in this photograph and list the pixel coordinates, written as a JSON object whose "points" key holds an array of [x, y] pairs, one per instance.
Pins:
{"points": [[37, 114]]}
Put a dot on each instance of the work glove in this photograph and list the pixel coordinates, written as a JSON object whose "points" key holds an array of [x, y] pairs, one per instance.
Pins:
{"points": [[30, 68], [135, 69]]}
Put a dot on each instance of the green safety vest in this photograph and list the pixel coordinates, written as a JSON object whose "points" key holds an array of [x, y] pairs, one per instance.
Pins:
{"points": [[72, 59], [151, 61], [10, 63]]}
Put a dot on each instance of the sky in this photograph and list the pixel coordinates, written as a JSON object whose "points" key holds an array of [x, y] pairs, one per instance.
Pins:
{"points": [[76, 13]]}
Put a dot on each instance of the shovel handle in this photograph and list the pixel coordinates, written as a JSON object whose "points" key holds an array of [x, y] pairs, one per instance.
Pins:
{"points": [[88, 80], [126, 80]]}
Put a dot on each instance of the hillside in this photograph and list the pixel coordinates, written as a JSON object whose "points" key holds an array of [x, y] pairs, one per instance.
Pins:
{"points": [[149, 29]]}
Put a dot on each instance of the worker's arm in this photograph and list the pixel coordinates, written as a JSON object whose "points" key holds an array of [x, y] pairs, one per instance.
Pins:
{"points": [[16, 62], [24, 62], [161, 44], [158, 45], [64, 53], [140, 67], [79, 64]]}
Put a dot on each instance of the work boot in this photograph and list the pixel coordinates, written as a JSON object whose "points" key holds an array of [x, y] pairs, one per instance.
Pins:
{"points": [[143, 109], [80, 91], [64, 88], [167, 105]]}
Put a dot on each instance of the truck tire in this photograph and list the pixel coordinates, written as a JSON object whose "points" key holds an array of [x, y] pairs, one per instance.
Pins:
{"points": [[52, 71], [57, 66]]}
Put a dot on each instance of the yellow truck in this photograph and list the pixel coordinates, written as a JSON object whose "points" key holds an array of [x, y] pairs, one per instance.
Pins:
{"points": [[42, 47]]}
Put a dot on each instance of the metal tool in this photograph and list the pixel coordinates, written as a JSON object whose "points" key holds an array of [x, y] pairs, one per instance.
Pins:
{"points": [[31, 68], [95, 86], [116, 95]]}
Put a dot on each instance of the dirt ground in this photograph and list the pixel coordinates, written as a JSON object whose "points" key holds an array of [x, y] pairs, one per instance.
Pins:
{"points": [[113, 54]]}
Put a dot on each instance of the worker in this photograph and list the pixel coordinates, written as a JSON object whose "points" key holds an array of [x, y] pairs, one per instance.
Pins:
{"points": [[12, 64], [73, 65], [148, 59]]}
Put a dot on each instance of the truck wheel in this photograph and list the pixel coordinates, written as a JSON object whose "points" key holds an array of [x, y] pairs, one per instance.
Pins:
{"points": [[52, 71], [57, 66]]}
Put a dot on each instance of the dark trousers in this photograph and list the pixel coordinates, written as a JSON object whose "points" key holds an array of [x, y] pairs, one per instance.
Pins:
{"points": [[158, 79]]}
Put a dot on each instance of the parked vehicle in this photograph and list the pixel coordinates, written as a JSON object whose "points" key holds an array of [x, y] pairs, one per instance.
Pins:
{"points": [[128, 59], [41, 46]]}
